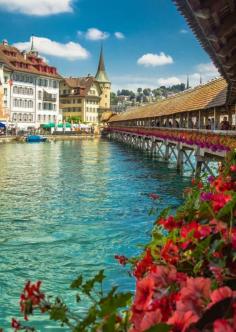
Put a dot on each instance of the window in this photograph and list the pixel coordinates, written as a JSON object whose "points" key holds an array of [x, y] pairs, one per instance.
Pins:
{"points": [[5, 79], [39, 106], [40, 95], [5, 91], [15, 89], [55, 85], [25, 117]]}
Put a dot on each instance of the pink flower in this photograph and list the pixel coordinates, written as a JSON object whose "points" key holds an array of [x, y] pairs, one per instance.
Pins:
{"points": [[221, 325], [182, 320], [144, 293], [221, 294], [151, 318], [193, 297]]}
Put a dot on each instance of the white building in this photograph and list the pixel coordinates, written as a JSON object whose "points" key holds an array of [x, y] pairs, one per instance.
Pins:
{"points": [[31, 87]]}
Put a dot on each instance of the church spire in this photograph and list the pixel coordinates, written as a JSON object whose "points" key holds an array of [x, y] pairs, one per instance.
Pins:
{"points": [[101, 75], [32, 49]]}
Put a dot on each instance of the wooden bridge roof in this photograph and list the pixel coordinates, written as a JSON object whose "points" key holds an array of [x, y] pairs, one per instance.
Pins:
{"points": [[214, 24], [212, 94]]}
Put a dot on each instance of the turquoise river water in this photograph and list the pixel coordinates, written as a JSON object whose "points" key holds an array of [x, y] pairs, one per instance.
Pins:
{"points": [[67, 208]]}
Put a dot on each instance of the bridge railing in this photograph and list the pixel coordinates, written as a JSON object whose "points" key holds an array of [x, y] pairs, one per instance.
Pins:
{"points": [[217, 140]]}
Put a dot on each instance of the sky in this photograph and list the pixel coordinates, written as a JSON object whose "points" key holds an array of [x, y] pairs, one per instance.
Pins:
{"points": [[146, 43]]}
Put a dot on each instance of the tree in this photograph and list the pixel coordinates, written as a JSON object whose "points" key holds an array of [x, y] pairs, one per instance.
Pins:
{"points": [[139, 90], [147, 92], [114, 99]]}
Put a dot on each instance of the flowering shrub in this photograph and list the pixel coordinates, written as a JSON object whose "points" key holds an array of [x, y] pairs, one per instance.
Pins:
{"points": [[209, 140], [185, 278]]}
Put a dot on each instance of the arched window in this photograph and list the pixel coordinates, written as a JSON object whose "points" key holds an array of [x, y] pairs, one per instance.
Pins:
{"points": [[19, 117], [25, 117], [20, 103]]}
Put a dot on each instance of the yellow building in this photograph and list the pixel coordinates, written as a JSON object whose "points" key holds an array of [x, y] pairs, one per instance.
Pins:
{"points": [[86, 98], [80, 99]]}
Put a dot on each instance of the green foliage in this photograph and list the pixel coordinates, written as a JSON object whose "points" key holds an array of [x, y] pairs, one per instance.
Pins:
{"points": [[160, 328]]}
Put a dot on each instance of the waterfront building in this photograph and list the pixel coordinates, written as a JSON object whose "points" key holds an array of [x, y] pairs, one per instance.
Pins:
{"points": [[86, 98], [3, 115], [80, 99], [31, 87]]}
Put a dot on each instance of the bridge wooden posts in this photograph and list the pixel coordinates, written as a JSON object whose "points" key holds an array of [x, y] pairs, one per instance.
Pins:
{"points": [[187, 156]]}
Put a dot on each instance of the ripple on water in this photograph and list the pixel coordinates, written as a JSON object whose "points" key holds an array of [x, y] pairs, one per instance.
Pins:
{"points": [[67, 208]]}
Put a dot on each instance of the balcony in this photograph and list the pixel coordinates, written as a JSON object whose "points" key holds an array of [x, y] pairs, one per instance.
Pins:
{"points": [[49, 97]]}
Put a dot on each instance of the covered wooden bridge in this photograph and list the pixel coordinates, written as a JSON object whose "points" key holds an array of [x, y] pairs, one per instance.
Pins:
{"points": [[199, 121]]}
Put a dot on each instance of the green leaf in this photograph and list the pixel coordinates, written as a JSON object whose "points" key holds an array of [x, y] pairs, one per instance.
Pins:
{"points": [[77, 282], [111, 303], [99, 277], [159, 328]]}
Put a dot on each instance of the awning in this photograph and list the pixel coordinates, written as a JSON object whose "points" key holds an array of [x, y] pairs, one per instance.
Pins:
{"points": [[48, 125], [62, 125], [2, 125]]}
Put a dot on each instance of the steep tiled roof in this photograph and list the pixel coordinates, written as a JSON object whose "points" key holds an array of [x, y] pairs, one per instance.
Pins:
{"points": [[15, 60], [205, 96], [83, 84]]}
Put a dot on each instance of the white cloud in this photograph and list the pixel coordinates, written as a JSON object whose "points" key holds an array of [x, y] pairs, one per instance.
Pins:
{"points": [[132, 82], [153, 60], [96, 34], [70, 50], [119, 35], [37, 7], [168, 81], [207, 68], [183, 31]]}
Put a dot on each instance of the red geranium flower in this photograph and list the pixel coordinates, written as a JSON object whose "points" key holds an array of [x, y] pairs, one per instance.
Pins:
{"points": [[144, 265], [170, 252]]}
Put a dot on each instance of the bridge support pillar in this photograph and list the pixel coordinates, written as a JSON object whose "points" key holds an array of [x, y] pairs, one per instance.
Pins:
{"points": [[167, 151], [199, 164], [180, 158]]}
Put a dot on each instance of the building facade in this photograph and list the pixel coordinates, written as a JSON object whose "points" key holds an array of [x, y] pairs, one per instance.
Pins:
{"points": [[80, 98], [31, 87], [86, 98]]}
